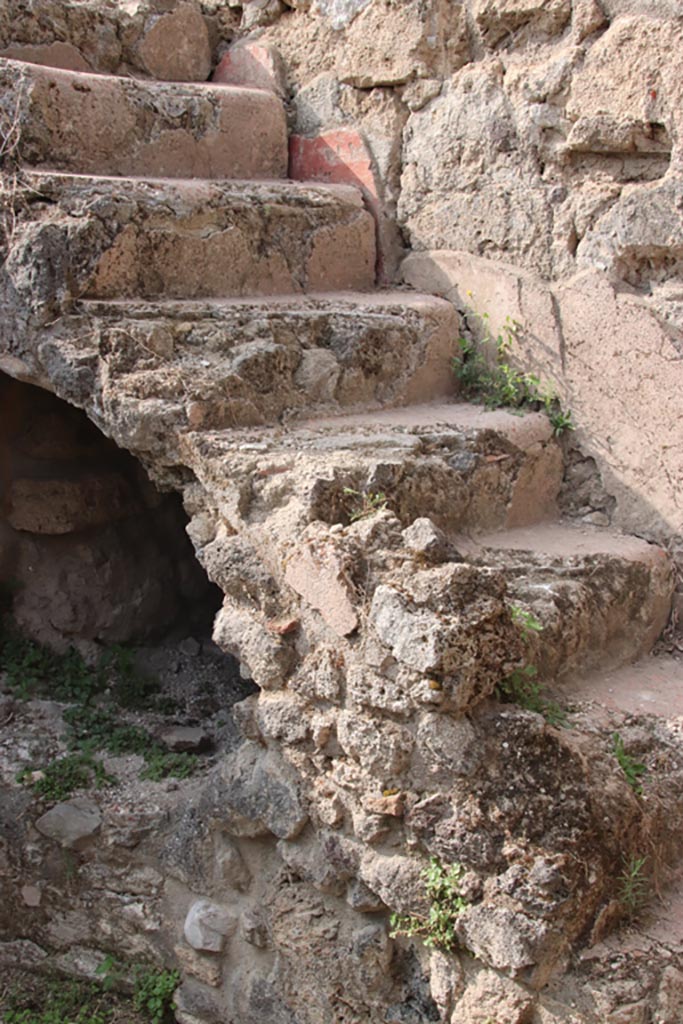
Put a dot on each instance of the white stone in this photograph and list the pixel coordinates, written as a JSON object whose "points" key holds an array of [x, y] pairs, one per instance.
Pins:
{"points": [[208, 926]]}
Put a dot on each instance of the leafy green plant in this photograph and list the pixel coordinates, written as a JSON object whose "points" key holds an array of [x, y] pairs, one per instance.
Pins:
{"points": [[33, 999], [63, 776], [112, 973], [366, 503], [161, 764], [486, 375], [154, 993], [526, 621], [634, 888], [98, 729], [34, 670], [442, 885], [522, 688], [632, 769], [59, 1002]]}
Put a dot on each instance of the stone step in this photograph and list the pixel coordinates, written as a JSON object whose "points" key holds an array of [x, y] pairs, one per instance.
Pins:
{"points": [[319, 505], [133, 238], [455, 463], [100, 124], [240, 362], [651, 686], [601, 598]]}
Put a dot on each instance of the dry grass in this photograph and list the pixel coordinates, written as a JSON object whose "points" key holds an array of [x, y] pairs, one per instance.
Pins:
{"points": [[10, 171]]}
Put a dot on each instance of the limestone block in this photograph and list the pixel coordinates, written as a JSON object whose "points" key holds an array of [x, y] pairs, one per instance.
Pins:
{"points": [[396, 879], [501, 937], [498, 18], [54, 55], [21, 953], [316, 570], [327, 861], [186, 738], [363, 899], [382, 747], [208, 926], [204, 968], [253, 929], [588, 16], [176, 47], [268, 658], [71, 823], [424, 538], [229, 866], [468, 180], [494, 997], [339, 12], [446, 747]]}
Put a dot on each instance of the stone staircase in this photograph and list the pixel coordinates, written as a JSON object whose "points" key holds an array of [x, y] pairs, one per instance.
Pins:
{"points": [[373, 536]]}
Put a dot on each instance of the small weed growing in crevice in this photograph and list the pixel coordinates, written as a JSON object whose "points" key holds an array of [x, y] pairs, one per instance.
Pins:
{"points": [[366, 503], [527, 621], [522, 688], [487, 376], [634, 887], [27, 999], [442, 885], [633, 770]]}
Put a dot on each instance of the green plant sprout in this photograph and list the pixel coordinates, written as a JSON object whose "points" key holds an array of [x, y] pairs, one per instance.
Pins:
{"points": [[487, 376], [366, 504], [634, 888], [442, 885], [526, 621], [632, 769], [521, 687]]}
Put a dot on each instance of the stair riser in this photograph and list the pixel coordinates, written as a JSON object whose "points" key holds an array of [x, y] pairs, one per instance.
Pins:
{"points": [[596, 611], [247, 365], [450, 480], [157, 241], [90, 124]]}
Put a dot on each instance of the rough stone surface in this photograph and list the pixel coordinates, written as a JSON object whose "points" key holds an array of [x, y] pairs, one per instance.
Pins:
{"points": [[253, 65], [176, 48], [72, 823]]}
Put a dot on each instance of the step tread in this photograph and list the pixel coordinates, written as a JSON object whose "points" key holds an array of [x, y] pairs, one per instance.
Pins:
{"points": [[201, 189], [83, 122], [521, 429], [651, 686], [144, 84], [566, 539], [285, 356], [343, 303], [400, 427]]}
